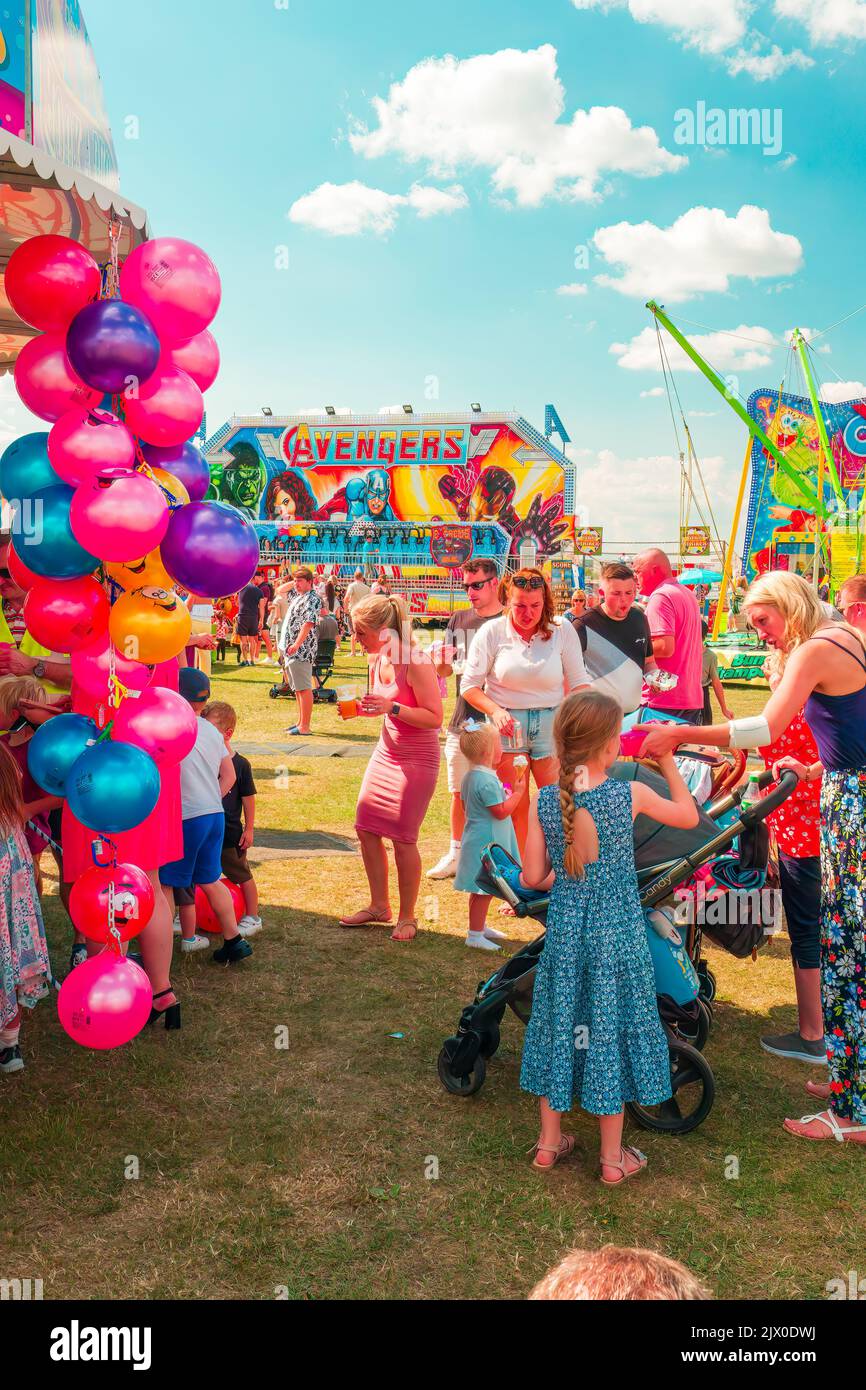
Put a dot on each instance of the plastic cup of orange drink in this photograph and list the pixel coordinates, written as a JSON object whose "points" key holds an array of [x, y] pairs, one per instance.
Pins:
{"points": [[347, 701]]}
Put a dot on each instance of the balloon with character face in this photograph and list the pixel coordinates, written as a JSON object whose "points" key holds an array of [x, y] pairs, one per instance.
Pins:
{"points": [[150, 624]]}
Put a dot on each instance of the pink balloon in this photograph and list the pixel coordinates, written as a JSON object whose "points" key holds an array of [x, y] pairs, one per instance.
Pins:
{"points": [[199, 358], [167, 410], [160, 721], [45, 381], [123, 515], [83, 442], [175, 284], [90, 669], [105, 1001]]}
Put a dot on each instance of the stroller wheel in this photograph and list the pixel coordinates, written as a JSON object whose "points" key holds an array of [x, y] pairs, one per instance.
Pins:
{"points": [[705, 1020], [490, 1039], [708, 982], [461, 1085], [694, 1089]]}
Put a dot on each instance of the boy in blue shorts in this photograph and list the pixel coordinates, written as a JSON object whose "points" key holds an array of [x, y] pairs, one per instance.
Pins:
{"points": [[206, 774]]}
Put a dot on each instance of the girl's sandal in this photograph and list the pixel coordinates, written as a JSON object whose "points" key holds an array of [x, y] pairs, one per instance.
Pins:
{"points": [[832, 1129], [624, 1173], [565, 1149], [367, 917], [405, 930]]}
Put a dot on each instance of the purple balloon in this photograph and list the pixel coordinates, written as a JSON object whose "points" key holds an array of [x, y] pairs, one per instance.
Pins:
{"points": [[109, 343], [210, 549], [185, 462]]}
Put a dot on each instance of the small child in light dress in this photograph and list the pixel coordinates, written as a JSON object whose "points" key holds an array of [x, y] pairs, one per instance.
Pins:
{"points": [[488, 821], [594, 1035]]}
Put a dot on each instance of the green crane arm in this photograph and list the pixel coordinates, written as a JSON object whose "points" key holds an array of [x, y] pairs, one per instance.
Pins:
{"points": [[800, 344], [751, 425]]}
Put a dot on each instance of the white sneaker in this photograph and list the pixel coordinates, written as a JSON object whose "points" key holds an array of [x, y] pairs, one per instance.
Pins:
{"points": [[493, 935], [175, 926], [249, 925], [194, 943], [447, 866], [480, 941]]}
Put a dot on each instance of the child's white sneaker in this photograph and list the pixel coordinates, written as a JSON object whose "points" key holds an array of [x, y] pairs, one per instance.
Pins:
{"points": [[447, 866], [480, 942], [249, 925], [194, 943], [493, 935], [175, 926]]}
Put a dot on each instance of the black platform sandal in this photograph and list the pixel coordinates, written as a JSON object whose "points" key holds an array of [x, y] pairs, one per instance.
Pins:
{"points": [[171, 1013]]}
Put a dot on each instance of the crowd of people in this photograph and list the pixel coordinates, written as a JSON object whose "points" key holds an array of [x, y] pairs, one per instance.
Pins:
{"points": [[540, 702]]}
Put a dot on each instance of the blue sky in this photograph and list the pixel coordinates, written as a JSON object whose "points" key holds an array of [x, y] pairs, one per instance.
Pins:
{"points": [[245, 112]]}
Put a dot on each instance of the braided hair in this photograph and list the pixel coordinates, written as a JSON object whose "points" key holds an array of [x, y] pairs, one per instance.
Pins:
{"points": [[585, 723]]}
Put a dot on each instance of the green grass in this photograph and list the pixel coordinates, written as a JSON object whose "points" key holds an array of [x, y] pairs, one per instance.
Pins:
{"points": [[302, 1171]]}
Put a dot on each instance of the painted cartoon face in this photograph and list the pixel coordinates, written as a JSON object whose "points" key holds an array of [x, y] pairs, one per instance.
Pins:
{"points": [[160, 598], [244, 482], [378, 492], [284, 504], [484, 508]]}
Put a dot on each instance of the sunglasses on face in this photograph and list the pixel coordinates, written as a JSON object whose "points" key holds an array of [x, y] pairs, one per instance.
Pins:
{"points": [[479, 584], [528, 581]]}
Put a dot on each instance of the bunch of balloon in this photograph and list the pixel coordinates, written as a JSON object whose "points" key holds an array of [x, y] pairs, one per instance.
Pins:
{"points": [[108, 525]]}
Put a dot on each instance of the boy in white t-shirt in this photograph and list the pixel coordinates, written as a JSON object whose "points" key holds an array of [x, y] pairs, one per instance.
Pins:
{"points": [[206, 774]]}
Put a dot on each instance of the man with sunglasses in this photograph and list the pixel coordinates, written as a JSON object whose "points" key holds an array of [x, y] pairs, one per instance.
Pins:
{"points": [[20, 654], [851, 602], [481, 581]]}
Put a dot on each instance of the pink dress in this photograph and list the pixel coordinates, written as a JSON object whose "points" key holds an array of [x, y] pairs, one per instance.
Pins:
{"points": [[401, 775], [159, 838]]}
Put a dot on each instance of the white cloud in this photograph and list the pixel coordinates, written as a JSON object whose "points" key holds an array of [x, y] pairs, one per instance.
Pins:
{"points": [[809, 334], [653, 391], [713, 26], [826, 21], [502, 112], [348, 209], [699, 253], [637, 499], [573, 289], [703, 414], [739, 349], [835, 391], [764, 67]]}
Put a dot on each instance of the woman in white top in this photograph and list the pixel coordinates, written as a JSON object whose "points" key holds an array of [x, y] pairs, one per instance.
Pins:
{"points": [[519, 669]]}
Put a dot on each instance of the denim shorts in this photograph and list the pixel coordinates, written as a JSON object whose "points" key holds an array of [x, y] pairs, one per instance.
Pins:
{"points": [[533, 731]]}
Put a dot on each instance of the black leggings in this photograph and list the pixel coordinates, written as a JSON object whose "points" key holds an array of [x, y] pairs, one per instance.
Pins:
{"points": [[801, 899]]}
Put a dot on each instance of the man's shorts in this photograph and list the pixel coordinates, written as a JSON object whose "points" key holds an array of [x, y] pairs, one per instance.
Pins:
{"points": [[456, 764], [235, 865], [248, 627], [534, 730], [202, 853], [299, 674]]}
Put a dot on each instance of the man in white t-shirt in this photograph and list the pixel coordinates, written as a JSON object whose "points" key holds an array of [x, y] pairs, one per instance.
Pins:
{"points": [[206, 774], [357, 590]]}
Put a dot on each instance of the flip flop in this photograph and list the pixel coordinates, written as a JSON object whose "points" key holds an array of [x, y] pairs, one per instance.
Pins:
{"points": [[406, 922], [834, 1129], [819, 1089], [298, 733], [365, 918]]}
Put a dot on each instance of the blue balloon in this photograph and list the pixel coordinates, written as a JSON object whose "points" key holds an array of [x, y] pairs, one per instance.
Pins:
{"points": [[43, 536], [110, 343], [112, 787], [55, 746], [25, 468]]}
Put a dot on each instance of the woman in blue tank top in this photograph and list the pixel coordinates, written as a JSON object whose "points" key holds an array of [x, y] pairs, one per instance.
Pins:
{"points": [[823, 667]]}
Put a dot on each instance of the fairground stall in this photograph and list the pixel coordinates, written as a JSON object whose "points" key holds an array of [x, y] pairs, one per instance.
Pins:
{"points": [[408, 498]]}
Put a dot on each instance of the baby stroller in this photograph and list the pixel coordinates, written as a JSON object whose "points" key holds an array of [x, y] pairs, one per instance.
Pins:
{"points": [[685, 986]]}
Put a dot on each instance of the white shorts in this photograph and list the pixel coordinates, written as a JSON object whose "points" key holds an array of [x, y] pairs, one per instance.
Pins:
{"points": [[455, 762]]}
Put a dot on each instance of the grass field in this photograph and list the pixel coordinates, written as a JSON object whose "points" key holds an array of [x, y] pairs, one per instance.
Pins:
{"points": [[218, 1162]]}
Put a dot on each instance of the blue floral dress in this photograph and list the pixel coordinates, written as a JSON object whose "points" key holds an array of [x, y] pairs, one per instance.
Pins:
{"points": [[843, 939], [595, 1033]]}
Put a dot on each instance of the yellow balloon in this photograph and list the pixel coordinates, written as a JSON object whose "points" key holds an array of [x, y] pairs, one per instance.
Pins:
{"points": [[135, 574], [150, 624], [172, 485]]}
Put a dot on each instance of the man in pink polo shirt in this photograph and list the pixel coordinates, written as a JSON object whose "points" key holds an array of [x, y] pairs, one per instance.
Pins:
{"points": [[674, 618]]}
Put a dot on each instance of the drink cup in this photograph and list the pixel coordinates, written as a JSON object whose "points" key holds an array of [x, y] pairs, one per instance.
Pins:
{"points": [[630, 741], [347, 701]]}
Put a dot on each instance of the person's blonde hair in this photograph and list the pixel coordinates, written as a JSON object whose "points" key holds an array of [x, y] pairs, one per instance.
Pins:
{"points": [[618, 1273], [799, 605], [14, 689], [477, 743], [381, 613], [221, 714], [585, 723]]}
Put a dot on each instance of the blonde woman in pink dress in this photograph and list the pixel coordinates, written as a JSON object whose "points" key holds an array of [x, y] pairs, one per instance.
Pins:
{"points": [[401, 775]]}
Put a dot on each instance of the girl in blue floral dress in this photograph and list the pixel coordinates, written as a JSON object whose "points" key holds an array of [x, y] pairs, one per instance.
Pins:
{"points": [[594, 1034], [24, 967]]}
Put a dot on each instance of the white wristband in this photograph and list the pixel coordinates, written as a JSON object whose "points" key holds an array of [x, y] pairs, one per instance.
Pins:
{"points": [[753, 731]]}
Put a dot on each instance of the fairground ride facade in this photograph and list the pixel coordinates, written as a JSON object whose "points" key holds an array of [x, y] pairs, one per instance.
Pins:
{"points": [[408, 496]]}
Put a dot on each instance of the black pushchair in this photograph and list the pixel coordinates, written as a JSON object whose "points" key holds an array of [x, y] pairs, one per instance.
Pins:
{"points": [[666, 860]]}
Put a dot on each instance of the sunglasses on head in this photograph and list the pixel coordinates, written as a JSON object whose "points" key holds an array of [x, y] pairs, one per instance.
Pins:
{"points": [[479, 583], [528, 581]]}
